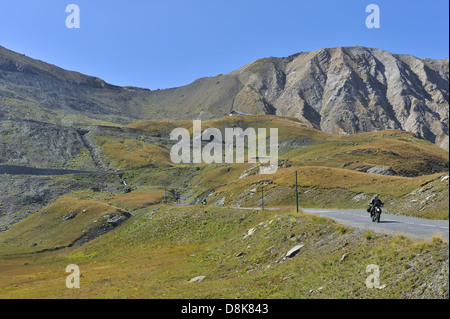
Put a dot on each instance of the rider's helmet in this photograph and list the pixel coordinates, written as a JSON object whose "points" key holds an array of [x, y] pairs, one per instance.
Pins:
{"points": [[376, 197]]}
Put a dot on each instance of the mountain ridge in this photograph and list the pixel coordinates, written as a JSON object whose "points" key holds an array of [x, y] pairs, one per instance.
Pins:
{"points": [[341, 90]]}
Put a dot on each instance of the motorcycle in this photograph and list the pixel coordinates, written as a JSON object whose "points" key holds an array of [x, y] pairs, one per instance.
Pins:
{"points": [[375, 214]]}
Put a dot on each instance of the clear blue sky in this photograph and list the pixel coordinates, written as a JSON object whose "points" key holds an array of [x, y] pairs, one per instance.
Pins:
{"points": [[169, 43]]}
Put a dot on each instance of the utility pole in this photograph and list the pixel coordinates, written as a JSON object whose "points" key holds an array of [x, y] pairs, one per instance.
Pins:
{"points": [[262, 199], [296, 189]]}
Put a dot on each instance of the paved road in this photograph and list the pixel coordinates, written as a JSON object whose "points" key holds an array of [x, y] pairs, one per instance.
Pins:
{"points": [[389, 224], [25, 170]]}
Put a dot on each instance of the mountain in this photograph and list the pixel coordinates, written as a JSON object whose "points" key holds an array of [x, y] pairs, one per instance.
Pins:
{"points": [[86, 179], [342, 90]]}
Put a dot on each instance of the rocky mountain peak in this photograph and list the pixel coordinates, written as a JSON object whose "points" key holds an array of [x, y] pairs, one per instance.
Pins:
{"points": [[341, 90]]}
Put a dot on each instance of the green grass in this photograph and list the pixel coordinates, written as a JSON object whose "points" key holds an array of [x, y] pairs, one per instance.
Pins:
{"points": [[406, 155], [161, 247], [156, 253], [138, 199], [46, 229], [129, 154], [329, 167]]}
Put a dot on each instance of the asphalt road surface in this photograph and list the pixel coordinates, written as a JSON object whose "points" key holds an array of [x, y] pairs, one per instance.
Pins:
{"points": [[389, 224]]}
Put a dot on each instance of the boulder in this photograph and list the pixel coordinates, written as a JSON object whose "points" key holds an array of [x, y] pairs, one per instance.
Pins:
{"points": [[294, 251], [197, 279], [68, 216]]}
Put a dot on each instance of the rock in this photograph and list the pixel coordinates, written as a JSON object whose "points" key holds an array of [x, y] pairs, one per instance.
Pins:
{"points": [[114, 219], [443, 179], [197, 279], [344, 257], [294, 251], [360, 196], [250, 232], [220, 202], [380, 170], [68, 216], [240, 254], [347, 164], [427, 199]]}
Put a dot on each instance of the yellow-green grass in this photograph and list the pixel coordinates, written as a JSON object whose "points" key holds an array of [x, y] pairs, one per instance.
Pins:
{"points": [[401, 151], [214, 175], [154, 255], [130, 154], [287, 129], [320, 162], [405, 154], [46, 229], [138, 199], [329, 178], [331, 188], [158, 126], [321, 187]]}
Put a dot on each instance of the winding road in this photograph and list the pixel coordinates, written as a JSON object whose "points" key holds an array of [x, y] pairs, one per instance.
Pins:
{"points": [[389, 224]]}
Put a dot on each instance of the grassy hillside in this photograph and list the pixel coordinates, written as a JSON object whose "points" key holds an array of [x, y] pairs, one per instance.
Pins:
{"points": [[241, 254], [334, 171], [399, 151], [405, 154], [130, 154], [62, 224], [131, 241]]}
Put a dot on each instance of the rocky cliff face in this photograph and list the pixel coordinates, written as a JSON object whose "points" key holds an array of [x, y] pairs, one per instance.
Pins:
{"points": [[43, 145], [337, 90], [350, 90]]}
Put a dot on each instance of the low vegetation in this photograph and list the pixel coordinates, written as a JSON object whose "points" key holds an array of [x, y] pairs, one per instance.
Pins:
{"points": [[136, 230], [242, 254]]}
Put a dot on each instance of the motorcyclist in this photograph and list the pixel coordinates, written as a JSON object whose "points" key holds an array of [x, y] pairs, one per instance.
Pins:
{"points": [[375, 202]]}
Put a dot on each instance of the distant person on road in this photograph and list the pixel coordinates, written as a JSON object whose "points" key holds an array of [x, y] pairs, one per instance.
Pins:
{"points": [[375, 202], [204, 202]]}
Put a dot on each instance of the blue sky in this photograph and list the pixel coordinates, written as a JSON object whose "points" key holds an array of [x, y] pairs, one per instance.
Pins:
{"points": [[170, 43]]}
